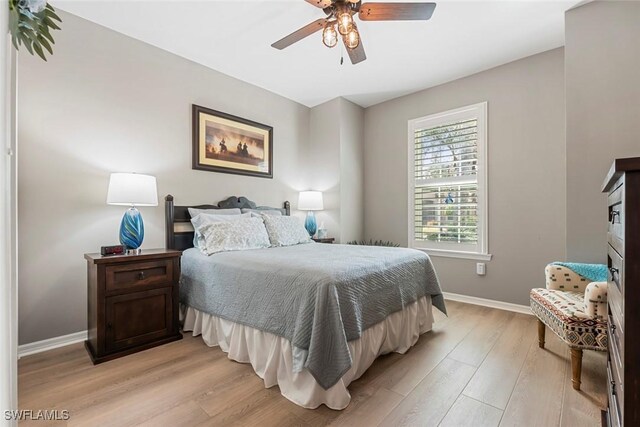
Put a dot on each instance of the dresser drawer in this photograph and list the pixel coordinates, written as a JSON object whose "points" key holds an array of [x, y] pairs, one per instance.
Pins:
{"points": [[616, 219], [138, 275], [614, 415], [615, 288], [616, 353]]}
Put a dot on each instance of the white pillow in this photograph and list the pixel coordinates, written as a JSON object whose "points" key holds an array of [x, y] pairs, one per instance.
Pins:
{"points": [[285, 230], [194, 212], [258, 212], [203, 219], [247, 233]]}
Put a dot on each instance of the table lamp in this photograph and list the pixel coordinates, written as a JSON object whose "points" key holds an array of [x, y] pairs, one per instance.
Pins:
{"points": [[132, 189], [310, 201]]}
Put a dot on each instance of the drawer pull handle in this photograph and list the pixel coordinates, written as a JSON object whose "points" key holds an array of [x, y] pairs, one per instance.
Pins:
{"points": [[612, 216], [613, 271], [613, 328], [109, 325], [141, 275]]}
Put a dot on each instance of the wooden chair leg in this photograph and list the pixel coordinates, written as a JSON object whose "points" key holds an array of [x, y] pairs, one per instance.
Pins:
{"points": [[576, 367], [541, 330]]}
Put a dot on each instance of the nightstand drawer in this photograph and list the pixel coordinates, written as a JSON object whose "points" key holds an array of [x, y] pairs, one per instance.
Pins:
{"points": [[139, 274], [138, 318]]}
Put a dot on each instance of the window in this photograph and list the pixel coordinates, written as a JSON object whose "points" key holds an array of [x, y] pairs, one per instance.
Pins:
{"points": [[448, 184]]}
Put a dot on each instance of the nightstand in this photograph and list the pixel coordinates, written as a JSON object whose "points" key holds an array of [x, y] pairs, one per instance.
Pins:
{"points": [[132, 302], [323, 240]]}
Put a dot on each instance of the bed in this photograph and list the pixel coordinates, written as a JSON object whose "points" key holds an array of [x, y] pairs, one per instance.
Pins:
{"points": [[310, 318]]}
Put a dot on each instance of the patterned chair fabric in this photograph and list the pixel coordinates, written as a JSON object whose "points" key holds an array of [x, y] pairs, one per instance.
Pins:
{"points": [[566, 314], [564, 279], [595, 300]]}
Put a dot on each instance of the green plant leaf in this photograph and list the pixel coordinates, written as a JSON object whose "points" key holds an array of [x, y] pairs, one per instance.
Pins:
{"points": [[25, 24], [52, 14], [14, 42], [39, 51], [45, 44], [26, 12], [50, 23], [14, 20], [46, 34], [26, 42], [33, 30]]}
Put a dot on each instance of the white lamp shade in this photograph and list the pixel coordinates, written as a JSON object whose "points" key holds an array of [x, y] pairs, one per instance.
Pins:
{"points": [[132, 189], [310, 201]]}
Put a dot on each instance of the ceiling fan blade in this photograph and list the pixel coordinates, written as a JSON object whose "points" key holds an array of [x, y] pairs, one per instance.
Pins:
{"points": [[396, 11], [320, 3], [303, 32], [356, 55]]}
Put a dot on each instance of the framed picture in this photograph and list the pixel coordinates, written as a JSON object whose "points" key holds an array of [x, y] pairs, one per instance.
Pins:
{"points": [[230, 144]]}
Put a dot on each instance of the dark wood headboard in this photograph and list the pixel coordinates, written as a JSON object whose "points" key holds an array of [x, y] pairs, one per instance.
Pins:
{"points": [[179, 232]]}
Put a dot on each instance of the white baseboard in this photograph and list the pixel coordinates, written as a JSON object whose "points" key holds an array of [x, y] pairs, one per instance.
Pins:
{"points": [[524, 309], [51, 343]]}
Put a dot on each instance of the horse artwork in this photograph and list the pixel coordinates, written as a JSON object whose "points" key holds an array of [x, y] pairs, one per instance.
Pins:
{"points": [[229, 144]]}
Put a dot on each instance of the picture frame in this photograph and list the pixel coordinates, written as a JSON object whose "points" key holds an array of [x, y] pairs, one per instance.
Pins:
{"points": [[229, 144]]}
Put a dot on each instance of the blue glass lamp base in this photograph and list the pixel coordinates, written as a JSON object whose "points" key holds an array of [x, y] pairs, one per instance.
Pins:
{"points": [[132, 229], [310, 223]]}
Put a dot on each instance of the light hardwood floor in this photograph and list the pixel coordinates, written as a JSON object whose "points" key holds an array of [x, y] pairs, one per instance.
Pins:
{"points": [[478, 367]]}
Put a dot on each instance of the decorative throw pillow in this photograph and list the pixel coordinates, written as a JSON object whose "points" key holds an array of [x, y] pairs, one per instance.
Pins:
{"points": [[203, 219], [285, 230], [246, 233]]}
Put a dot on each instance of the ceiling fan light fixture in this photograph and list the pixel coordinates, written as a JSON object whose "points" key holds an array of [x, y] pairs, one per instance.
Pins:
{"points": [[329, 36], [345, 21], [352, 39]]}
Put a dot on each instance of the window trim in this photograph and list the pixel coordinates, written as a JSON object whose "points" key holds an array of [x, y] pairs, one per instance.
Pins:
{"points": [[479, 111]]}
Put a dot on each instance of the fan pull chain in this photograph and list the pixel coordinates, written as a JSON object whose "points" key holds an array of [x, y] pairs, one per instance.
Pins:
{"points": [[341, 54]]}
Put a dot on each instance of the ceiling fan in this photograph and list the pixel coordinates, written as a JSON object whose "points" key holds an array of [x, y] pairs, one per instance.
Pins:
{"points": [[340, 22]]}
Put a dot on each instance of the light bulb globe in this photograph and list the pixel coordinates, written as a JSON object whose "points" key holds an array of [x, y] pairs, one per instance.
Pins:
{"points": [[329, 36], [352, 39], [345, 22]]}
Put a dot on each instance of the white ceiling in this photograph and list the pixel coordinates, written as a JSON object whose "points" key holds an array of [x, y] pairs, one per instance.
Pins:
{"points": [[234, 37]]}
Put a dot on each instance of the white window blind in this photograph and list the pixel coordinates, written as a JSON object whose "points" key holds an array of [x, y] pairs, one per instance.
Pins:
{"points": [[447, 181]]}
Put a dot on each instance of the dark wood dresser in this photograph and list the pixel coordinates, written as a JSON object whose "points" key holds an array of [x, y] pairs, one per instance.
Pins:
{"points": [[623, 259], [132, 302]]}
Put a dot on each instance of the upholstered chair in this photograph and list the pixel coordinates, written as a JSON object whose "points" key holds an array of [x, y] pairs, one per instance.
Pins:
{"points": [[575, 309]]}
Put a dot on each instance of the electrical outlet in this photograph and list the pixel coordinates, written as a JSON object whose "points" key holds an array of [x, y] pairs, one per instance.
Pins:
{"points": [[481, 268]]}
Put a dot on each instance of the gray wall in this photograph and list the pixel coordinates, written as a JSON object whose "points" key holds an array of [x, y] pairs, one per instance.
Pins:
{"points": [[526, 172], [336, 140], [602, 59], [103, 103], [351, 171], [324, 153]]}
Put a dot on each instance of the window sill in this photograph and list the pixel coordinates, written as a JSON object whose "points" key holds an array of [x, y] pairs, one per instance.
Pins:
{"points": [[456, 254]]}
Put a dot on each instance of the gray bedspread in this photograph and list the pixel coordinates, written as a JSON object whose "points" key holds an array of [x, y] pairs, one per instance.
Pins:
{"points": [[318, 296]]}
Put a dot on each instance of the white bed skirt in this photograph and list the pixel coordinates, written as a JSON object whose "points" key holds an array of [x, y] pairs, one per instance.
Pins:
{"points": [[272, 356]]}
